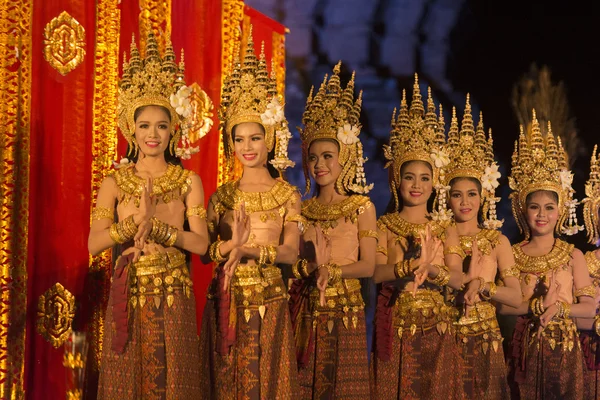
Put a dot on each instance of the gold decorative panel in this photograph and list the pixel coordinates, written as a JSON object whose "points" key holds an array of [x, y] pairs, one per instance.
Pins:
{"points": [[64, 43], [202, 113], [56, 310]]}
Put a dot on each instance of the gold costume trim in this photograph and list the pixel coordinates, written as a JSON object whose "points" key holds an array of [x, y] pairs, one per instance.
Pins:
{"points": [[229, 197], [196, 211], [487, 239], [481, 321], [15, 91], [558, 332], [327, 215], [55, 313], [64, 43], [423, 311], [402, 228], [559, 255], [593, 264], [100, 213], [174, 179]]}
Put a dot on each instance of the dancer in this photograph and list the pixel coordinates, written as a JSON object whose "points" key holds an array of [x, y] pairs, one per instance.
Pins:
{"points": [[546, 359], [247, 346], [472, 176], [330, 332], [416, 353], [150, 347]]}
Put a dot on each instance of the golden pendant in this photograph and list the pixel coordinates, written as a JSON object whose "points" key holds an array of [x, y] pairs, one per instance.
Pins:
{"points": [[345, 320], [495, 346], [261, 310], [413, 329], [354, 321], [330, 325], [485, 346], [170, 300], [400, 332], [247, 315], [142, 300], [157, 301]]}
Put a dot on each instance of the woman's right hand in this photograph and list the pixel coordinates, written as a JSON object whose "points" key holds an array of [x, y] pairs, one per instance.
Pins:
{"points": [[147, 207], [240, 229], [142, 234]]}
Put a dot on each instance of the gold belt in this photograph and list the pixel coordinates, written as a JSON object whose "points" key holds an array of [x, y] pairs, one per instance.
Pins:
{"points": [[158, 263], [247, 275]]}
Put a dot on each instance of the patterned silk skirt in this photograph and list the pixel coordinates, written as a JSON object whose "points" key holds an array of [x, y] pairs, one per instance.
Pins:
{"points": [[160, 359], [423, 361], [590, 344], [259, 361], [485, 372], [546, 366], [331, 341]]}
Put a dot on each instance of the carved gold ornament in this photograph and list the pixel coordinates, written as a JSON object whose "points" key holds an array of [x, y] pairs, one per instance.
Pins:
{"points": [[56, 310], [64, 43], [201, 118]]}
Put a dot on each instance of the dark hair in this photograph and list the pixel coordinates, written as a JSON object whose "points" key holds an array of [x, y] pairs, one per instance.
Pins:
{"points": [[479, 190], [549, 193], [391, 207], [169, 158], [316, 188], [274, 172]]}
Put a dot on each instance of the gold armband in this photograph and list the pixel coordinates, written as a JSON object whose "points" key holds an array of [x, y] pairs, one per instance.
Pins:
{"points": [[455, 250], [367, 233], [442, 278], [588, 290], [214, 252], [103, 213], [510, 272], [196, 211], [382, 250]]}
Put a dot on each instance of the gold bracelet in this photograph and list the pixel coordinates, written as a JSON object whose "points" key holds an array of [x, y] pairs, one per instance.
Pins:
{"points": [[295, 270], [114, 234], [481, 284], [214, 252], [160, 230], [442, 278], [103, 213], [399, 269], [196, 211], [335, 273], [272, 254], [304, 269], [455, 250], [491, 291], [262, 255], [173, 232]]}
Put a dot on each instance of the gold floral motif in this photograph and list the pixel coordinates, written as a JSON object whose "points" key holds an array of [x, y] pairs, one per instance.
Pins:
{"points": [[100, 213], [278, 61], [64, 43], [558, 256], [327, 215], [201, 118], [196, 211], [56, 310], [487, 239], [229, 197], [155, 15]]}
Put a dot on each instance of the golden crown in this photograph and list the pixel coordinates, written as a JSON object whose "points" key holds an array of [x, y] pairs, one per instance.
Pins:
{"points": [[471, 155], [541, 164], [592, 199], [417, 135], [250, 95], [158, 81], [333, 113]]}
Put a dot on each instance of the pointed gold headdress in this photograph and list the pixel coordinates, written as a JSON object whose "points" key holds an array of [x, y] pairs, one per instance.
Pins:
{"points": [[159, 82], [540, 164], [472, 156], [417, 135], [250, 95], [592, 199], [334, 114]]}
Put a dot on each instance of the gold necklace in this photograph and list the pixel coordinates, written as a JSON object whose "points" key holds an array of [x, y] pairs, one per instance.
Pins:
{"points": [[175, 179], [327, 215], [558, 256], [229, 197], [402, 228]]}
